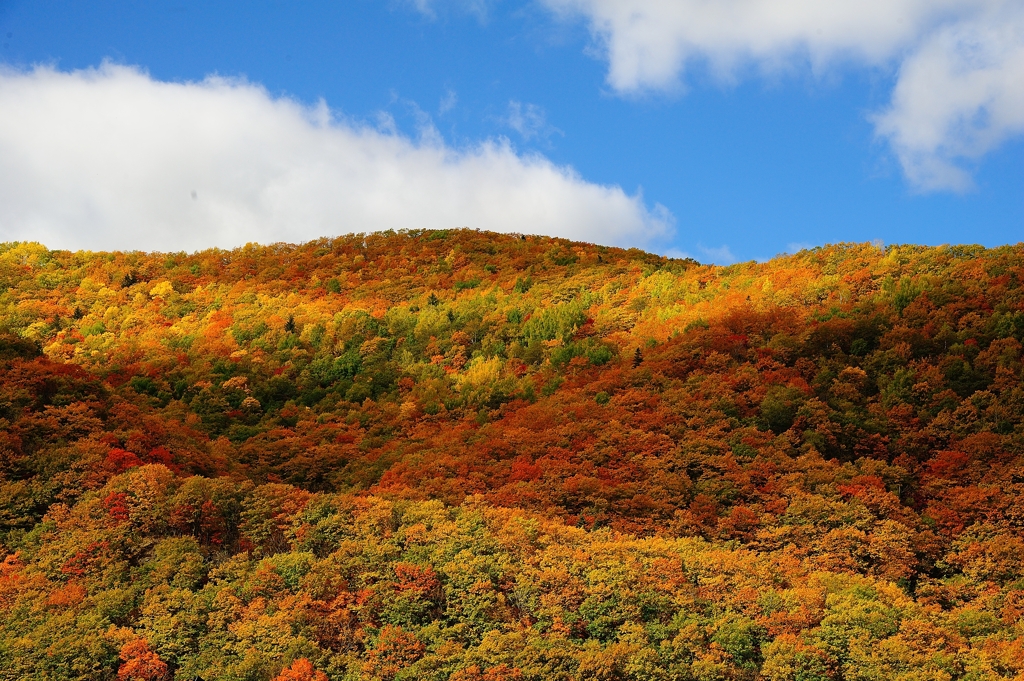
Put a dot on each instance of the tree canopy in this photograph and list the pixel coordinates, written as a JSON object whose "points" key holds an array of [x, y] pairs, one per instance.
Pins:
{"points": [[469, 456]]}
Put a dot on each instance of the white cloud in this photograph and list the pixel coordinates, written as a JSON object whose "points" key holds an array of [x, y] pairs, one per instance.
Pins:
{"points": [[958, 93], [109, 158], [959, 96]]}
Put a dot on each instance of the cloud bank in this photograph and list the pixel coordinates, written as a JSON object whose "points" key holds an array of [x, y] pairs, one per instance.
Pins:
{"points": [[959, 63], [110, 158]]}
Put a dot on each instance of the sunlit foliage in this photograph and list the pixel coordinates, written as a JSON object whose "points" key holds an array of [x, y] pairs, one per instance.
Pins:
{"points": [[479, 457]]}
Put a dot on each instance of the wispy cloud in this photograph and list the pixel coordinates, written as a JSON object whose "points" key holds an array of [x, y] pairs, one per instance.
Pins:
{"points": [[111, 158], [676, 253], [959, 63], [448, 102], [529, 121], [431, 8], [720, 256]]}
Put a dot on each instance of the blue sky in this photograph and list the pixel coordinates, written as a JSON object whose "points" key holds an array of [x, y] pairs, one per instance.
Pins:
{"points": [[723, 163]]}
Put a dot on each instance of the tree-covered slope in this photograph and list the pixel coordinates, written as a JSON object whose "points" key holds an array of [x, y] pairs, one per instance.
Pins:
{"points": [[470, 456]]}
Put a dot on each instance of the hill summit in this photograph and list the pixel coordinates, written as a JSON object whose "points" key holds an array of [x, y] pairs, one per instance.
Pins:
{"points": [[481, 457]]}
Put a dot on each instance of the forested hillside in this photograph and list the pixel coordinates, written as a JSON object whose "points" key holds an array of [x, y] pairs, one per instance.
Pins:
{"points": [[480, 457]]}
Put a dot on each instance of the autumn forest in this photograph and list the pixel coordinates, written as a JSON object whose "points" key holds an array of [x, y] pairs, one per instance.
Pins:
{"points": [[466, 456]]}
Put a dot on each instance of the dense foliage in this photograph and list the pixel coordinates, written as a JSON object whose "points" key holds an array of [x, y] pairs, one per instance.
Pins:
{"points": [[479, 457]]}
